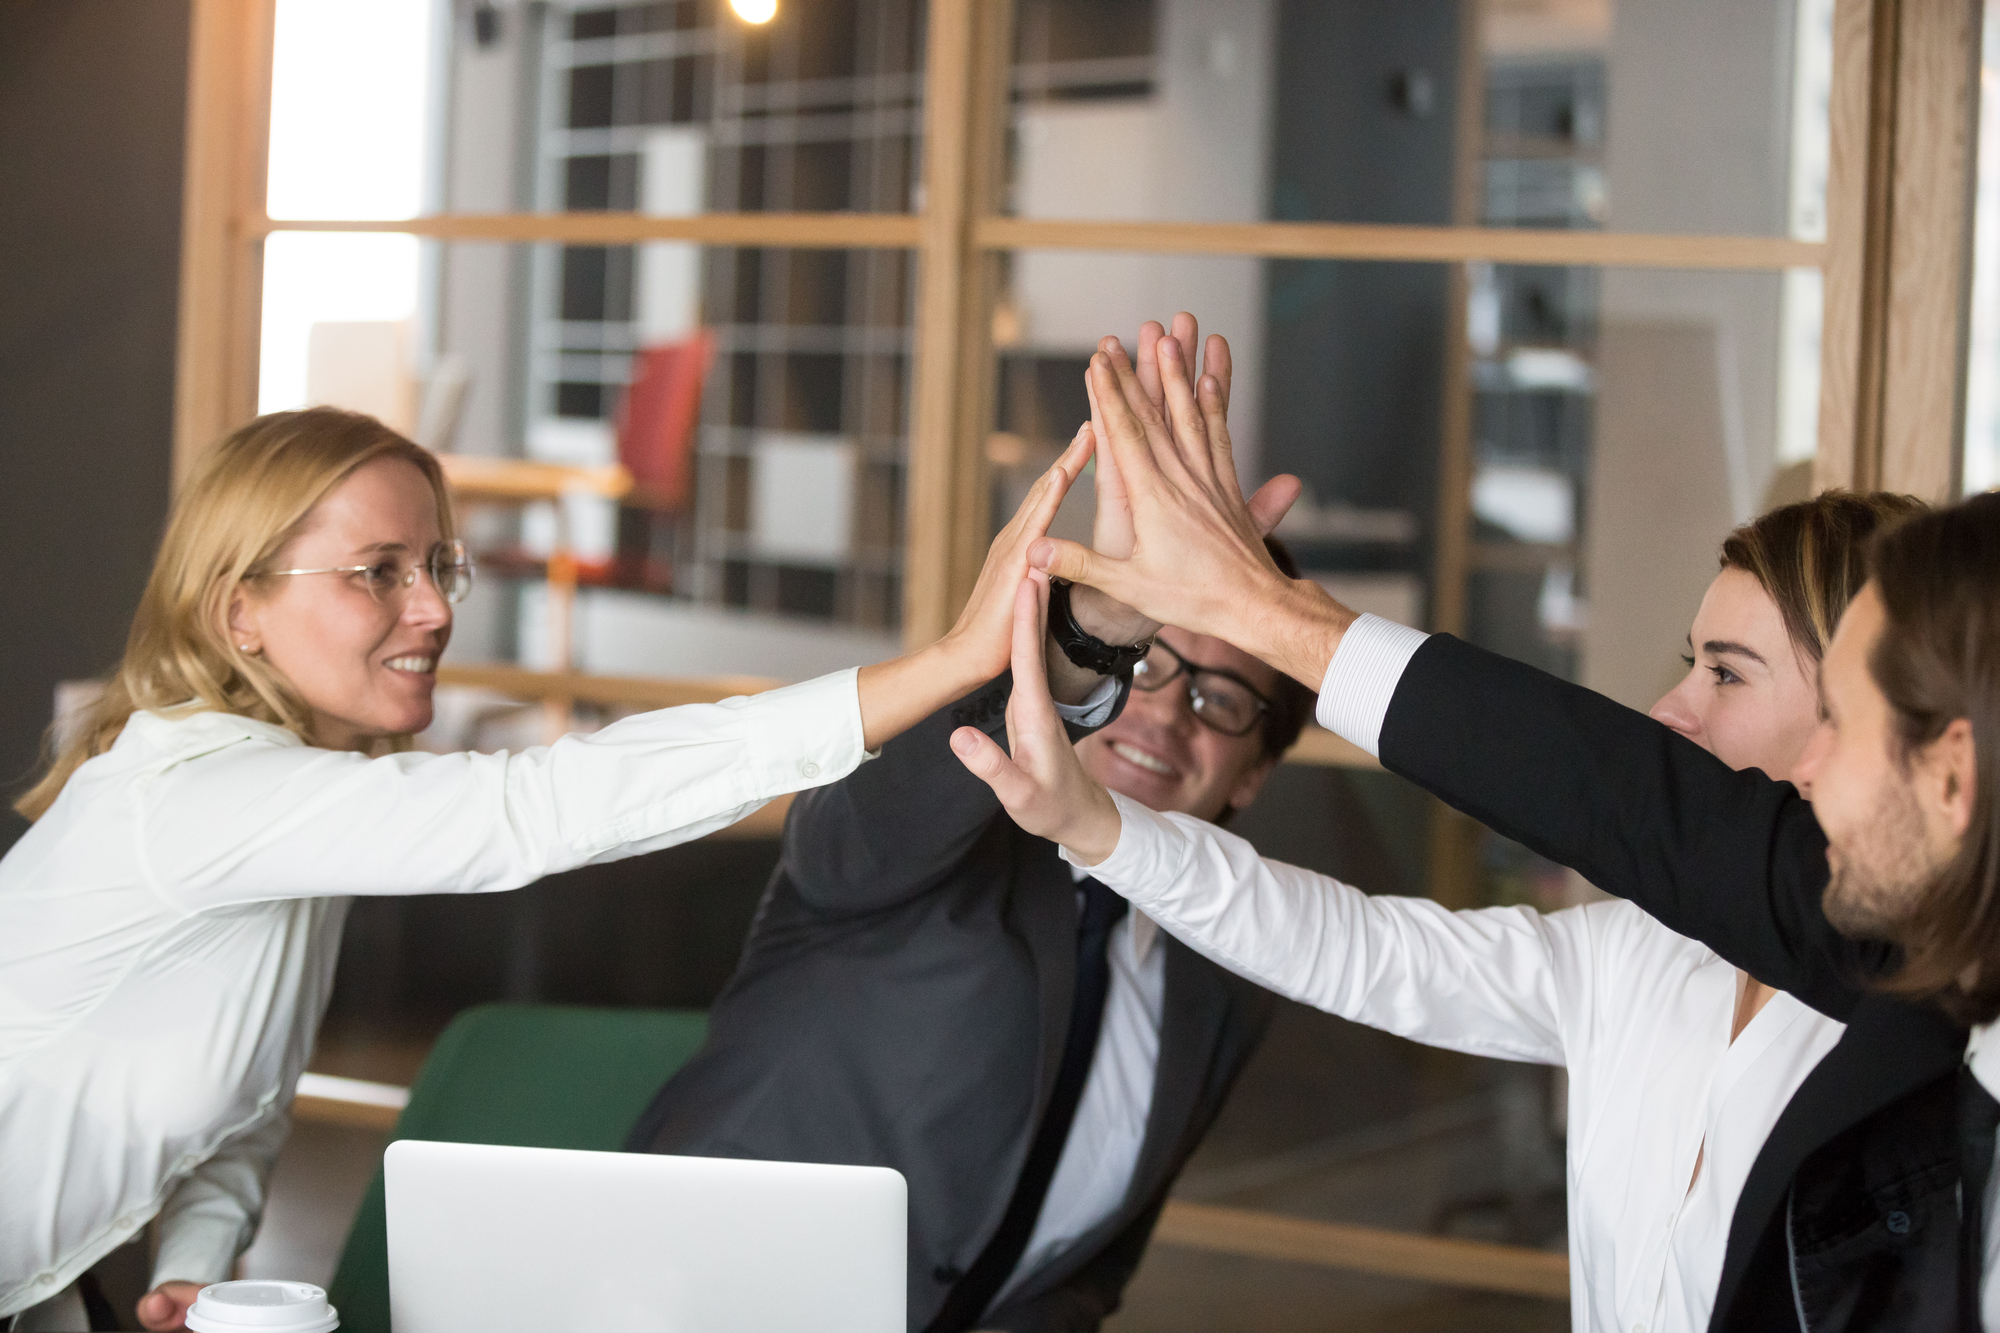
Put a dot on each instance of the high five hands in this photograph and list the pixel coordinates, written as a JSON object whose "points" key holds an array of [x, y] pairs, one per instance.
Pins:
{"points": [[1176, 543], [1197, 558]]}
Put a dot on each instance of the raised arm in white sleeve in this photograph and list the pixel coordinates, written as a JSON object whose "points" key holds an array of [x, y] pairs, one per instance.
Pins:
{"points": [[212, 1215], [1503, 982], [258, 816]]}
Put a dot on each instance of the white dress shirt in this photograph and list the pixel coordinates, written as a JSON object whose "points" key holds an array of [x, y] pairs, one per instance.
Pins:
{"points": [[1639, 1015], [168, 932]]}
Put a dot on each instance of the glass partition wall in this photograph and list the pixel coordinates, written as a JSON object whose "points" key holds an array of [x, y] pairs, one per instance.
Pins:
{"points": [[1539, 296]]}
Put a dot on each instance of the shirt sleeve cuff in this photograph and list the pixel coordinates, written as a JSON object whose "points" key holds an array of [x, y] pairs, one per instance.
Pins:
{"points": [[1362, 677], [1148, 855], [1095, 710]]}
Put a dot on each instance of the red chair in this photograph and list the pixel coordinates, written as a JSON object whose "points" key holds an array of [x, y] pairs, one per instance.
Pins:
{"points": [[656, 437]]}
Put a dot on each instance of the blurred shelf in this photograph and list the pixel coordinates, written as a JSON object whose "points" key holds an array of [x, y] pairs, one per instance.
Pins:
{"points": [[519, 480]]}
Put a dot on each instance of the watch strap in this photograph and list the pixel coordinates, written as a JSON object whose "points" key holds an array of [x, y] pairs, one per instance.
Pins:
{"points": [[1083, 648]]}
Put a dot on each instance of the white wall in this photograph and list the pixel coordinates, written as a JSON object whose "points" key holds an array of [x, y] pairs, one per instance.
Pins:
{"points": [[1698, 140], [1196, 151]]}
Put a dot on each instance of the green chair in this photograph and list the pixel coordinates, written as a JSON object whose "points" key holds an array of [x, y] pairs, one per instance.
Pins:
{"points": [[536, 1076]]}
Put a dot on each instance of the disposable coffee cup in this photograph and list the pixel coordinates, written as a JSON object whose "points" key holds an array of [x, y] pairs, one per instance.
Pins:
{"points": [[262, 1307]]}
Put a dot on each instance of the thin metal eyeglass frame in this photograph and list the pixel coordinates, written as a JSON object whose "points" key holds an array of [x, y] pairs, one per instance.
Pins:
{"points": [[461, 561], [1193, 671]]}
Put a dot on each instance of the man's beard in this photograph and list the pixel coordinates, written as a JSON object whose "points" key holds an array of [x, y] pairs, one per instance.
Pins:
{"points": [[1879, 880]]}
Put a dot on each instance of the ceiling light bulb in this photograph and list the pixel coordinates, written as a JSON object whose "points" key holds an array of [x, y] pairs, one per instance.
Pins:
{"points": [[755, 11]]}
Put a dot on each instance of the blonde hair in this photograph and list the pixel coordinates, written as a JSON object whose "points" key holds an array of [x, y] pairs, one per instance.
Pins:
{"points": [[252, 494]]}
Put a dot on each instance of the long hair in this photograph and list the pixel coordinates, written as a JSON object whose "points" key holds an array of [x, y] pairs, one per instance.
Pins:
{"points": [[1812, 558], [251, 495], [1938, 660]]}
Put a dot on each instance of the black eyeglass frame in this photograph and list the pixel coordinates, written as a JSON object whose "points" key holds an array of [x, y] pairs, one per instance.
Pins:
{"points": [[1194, 671]]}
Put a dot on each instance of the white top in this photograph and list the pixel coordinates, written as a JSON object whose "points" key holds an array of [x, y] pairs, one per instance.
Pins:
{"points": [[1638, 1014], [168, 933]]}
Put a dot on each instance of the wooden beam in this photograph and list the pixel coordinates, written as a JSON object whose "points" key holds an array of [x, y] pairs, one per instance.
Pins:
{"points": [[1278, 240], [1343, 240], [1316, 746], [1441, 1259], [951, 403], [804, 231], [633, 691], [222, 268], [1930, 253], [1859, 157], [1319, 748], [1904, 114], [1452, 837]]}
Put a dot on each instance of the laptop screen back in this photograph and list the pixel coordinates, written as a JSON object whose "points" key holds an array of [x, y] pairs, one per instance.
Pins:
{"points": [[486, 1239]]}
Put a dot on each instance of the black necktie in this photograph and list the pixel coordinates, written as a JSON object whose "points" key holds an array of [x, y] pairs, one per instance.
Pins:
{"points": [[1978, 1120], [982, 1282]]}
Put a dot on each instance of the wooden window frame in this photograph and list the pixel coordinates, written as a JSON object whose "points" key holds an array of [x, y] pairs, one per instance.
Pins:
{"points": [[1897, 257], [1896, 261]]}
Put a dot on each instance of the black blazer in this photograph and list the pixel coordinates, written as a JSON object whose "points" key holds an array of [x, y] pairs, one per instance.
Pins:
{"points": [[903, 1001], [1849, 1217]]}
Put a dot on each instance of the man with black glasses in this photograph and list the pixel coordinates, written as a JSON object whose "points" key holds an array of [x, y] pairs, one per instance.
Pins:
{"points": [[929, 988]]}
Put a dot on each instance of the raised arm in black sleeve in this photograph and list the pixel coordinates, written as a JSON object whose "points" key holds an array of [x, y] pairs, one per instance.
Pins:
{"points": [[1735, 860], [902, 821]]}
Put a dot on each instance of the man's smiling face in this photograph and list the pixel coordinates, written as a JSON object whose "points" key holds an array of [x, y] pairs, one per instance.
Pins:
{"points": [[1157, 753]]}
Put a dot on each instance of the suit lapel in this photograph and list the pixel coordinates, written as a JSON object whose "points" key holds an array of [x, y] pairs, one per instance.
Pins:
{"points": [[1192, 1011], [1890, 1049], [1043, 910]]}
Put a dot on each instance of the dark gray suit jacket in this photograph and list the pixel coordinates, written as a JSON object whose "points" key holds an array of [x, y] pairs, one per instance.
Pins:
{"points": [[902, 1001]]}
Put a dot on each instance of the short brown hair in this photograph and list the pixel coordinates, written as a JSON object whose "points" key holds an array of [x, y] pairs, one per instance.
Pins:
{"points": [[1812, 557], [1938, 660], [1292, 705]]}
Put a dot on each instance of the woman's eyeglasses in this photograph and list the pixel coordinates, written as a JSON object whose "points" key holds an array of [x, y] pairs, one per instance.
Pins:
{"points": [[1222, 701], [390, 578]]}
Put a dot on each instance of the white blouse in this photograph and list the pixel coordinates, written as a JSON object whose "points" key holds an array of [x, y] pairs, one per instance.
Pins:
{"points": [[168, 933], [1638, 1014]]}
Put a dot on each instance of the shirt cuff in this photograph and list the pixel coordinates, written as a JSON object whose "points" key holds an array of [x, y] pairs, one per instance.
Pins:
{"points": [[1095, 710], [1362, 677], [1148, 855]]}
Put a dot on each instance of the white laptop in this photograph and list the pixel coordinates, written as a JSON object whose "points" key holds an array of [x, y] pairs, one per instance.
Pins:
{"points": [[487, 1240]]}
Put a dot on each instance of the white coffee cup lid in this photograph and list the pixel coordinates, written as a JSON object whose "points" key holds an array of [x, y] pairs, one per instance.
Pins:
{"points": [[262, 1307]]}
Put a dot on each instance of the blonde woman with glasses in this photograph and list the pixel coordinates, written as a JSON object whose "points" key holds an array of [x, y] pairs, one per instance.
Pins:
{"points": [[168, 927]]}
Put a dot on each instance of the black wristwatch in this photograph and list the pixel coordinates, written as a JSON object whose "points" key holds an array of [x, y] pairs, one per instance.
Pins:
{"points": [[1086, 649]]}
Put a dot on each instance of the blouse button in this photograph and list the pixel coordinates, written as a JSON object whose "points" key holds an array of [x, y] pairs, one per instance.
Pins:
{"points": [[809, 768]]}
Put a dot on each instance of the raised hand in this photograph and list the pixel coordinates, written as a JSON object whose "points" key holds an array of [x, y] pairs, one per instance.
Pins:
{"points": [[1043, 785], [984, 628], [1198, 559], [895, 695]]}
